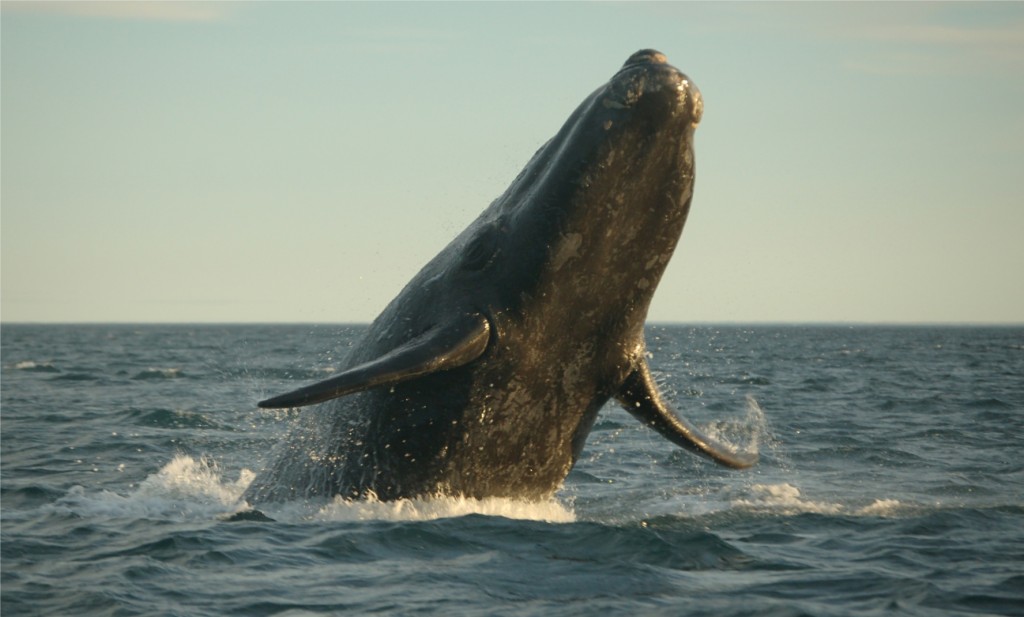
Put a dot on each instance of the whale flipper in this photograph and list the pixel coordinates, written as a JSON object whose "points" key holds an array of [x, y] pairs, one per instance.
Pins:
{"points": [[640, 396], [441, 348]]}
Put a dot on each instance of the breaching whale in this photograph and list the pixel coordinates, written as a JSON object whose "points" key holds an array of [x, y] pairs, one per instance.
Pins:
{"points": [[484, 376]]}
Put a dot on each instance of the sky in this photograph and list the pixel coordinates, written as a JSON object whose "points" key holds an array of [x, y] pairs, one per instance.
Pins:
{"points": [[300, 162]]}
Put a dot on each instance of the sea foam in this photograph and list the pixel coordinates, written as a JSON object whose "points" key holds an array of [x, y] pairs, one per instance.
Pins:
{"points": [[425, 509], [196, 488]]}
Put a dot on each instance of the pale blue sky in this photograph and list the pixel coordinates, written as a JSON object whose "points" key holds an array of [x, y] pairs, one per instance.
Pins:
{"points": [[291, 162]]}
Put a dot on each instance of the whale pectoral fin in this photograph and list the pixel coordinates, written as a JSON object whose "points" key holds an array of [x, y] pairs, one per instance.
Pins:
{"points": [[640, 396], [441, 348]]}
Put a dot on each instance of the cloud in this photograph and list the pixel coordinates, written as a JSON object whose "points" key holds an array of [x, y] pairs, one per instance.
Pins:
{"points": [[941, 50], [135, 11], [997, 36], [939, 41], [901, 38]]}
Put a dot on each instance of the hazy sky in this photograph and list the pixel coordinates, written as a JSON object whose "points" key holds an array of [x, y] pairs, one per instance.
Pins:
{"points": [[300, 162]]}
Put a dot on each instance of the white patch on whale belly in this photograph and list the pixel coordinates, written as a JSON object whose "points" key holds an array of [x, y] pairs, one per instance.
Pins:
{"points": [[568, 248]]}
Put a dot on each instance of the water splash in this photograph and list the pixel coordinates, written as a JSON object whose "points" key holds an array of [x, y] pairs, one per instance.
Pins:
{"points": [[200, 481], [426, 509], [784, 498], [749, 431], [883, 508], [189, 488], [33, 366], [184, 489], [159, 373]]}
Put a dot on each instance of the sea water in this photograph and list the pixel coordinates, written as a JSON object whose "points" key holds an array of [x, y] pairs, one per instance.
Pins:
{"points": [[891, 482]]}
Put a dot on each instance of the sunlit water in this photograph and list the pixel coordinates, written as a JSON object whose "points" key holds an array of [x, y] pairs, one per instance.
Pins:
{"points": [[891, 482]]}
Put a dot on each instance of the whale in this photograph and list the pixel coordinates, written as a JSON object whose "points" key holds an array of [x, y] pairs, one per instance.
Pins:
{"points": [[484, 376]]}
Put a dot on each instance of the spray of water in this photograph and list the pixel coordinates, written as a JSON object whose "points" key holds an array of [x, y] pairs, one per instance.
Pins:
{"points": [[743, 434], [189, 488]]}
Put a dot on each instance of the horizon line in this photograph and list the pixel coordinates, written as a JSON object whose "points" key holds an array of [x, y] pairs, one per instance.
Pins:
{"points": [[696, 322]]}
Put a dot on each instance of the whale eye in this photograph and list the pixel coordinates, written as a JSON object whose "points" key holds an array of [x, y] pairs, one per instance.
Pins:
{"points": [[481, 250]]}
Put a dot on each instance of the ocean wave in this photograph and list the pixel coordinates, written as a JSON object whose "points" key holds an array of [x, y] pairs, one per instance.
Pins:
{"points": [[882, 507], [433, 508], [782, 498], [159, 373], [35, 367], [170, 418], [75, 377], [185, 488], [275, 373], [786, 499], [746, 379], [196, 488], [990, 403]]}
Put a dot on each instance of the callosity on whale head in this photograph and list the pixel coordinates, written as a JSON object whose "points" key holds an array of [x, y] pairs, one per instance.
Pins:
{"points": [[484, 376]]}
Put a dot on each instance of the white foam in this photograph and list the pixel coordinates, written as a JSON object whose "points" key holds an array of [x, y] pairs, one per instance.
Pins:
{"points": [[32, 365], [783, 498], [158, 372], [426, 509], [881, 507], [185, 488], [195, 489], [188, 479]]}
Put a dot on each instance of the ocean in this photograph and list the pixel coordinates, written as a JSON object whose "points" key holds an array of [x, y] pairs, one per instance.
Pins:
{"points": [[891, 482]]}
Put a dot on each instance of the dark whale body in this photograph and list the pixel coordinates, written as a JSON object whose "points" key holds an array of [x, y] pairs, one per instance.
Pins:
{"points": [[484, 376]]}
